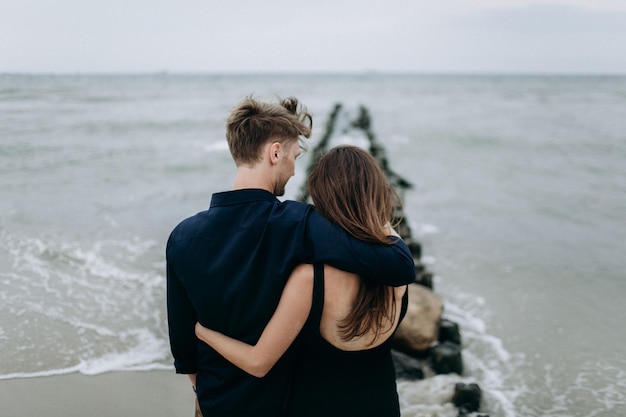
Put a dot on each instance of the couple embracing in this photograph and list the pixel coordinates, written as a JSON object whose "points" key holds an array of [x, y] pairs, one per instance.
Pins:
{"points": [[283, 308]]}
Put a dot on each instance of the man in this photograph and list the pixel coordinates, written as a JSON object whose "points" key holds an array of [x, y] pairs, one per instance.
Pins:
{"points": [[226, 267]]}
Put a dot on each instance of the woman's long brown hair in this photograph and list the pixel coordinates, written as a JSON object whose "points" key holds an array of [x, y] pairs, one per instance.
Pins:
{"points": [[349, 188]]}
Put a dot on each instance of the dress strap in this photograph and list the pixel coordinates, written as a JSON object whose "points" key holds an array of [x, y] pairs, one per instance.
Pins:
{"points": [[318, 294], [405, 304], [404, 308]]}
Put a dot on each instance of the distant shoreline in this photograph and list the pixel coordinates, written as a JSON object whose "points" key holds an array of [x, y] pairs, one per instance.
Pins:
{"points": [[425, 74]]}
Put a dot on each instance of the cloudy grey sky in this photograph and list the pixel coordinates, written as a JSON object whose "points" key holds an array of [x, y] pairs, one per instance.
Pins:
{"points": [[553, 36]]}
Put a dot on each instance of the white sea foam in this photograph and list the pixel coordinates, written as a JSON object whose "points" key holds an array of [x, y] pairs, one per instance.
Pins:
{"points": [[219, 146], [430, 397], [112, 222], [355, 138], [48, 372], [487, 362], [100, 306], [424, 229], [149, 353], [598, 387], [428, 260]]}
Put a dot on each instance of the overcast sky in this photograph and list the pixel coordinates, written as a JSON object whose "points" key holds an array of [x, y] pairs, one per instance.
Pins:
{"points": [[553, 36]]}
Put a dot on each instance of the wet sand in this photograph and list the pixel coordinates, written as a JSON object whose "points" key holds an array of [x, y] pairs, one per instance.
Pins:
{"points": [[138, 394]]}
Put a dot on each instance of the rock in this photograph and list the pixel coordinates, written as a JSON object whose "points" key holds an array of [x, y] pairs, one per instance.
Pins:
{"points": [[449, 332], [420, 327], [404, 231], [467, 397], [407, 367], [425, 279], [446, 358], [415, 248]]}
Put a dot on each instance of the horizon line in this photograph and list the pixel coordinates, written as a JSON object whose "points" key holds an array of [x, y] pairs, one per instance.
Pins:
{"points": [[569, 73]]}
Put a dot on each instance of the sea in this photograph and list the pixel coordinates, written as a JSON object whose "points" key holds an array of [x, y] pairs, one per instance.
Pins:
{"points": [[518, 200]]}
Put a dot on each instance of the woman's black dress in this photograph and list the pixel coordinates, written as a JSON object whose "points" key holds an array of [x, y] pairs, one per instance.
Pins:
{"points": [[331, 382]]}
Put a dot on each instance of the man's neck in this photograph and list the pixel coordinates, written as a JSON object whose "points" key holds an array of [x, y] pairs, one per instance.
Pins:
{"points": [[252, 178]]}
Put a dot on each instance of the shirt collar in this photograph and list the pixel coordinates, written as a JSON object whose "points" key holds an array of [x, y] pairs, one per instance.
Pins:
{"points": [[248, 195]]}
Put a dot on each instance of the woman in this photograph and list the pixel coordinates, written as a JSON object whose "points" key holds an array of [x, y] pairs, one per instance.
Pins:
{"points": [[345, 366]]}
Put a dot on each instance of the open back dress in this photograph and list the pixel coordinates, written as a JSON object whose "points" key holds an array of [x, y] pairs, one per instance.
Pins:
{"points": [[330, 382]]}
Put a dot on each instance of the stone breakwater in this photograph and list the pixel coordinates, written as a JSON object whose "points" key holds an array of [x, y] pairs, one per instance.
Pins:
{"points": [[426, 343]]}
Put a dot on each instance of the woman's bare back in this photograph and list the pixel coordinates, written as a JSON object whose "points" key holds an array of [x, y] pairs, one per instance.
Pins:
{"points": [[340, 292]]}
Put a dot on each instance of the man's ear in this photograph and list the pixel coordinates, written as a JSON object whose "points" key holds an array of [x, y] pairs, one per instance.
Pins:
{"points": [[274, 151]]}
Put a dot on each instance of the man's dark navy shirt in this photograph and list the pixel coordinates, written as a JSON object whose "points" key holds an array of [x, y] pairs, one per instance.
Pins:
{"points": [[227, 267]]}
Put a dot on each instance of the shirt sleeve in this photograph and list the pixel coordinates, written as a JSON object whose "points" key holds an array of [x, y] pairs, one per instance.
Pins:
{"points": [[385, 264], [181, 321]]}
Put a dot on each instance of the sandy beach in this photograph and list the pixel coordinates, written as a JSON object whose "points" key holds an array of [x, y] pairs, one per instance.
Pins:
{"points": [[154, 394]]}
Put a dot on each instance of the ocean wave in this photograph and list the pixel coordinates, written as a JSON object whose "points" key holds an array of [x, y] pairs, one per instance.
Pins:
{"points": [[487, 362], [595, 388], [85, 305], [430, 397]]}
